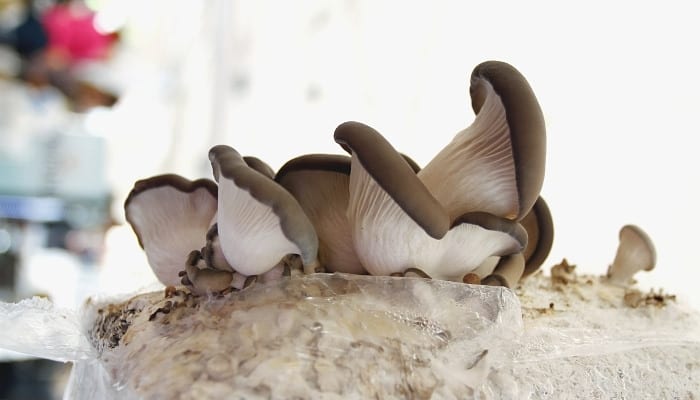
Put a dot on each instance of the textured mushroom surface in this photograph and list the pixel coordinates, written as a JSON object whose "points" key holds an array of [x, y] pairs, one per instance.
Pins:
{"points": [[170, 216], [258, 221], [397, 224]]}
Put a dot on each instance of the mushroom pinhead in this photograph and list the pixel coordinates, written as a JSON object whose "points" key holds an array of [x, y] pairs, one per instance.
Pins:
{"points": [[259, 222], [634, 253], [496, 165], [170, 216], [320, 183]]}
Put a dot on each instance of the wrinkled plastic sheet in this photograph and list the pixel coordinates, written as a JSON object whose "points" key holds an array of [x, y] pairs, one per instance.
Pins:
{"points": [[345, 336]]}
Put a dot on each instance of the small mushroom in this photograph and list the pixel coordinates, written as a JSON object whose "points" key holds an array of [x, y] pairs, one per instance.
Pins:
{"points": [[496, 165], [397, 224], [204, 280], [170, 216], [635, 252], [320, 183], [259, 222]]}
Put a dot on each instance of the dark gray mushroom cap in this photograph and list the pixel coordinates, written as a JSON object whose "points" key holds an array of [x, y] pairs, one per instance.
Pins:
{"points": [[525, 121], [296, 227], [540, 231], [320, 182], [394, 175], [170, 216]]}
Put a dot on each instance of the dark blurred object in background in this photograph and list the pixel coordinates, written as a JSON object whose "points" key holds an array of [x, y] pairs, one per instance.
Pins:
{"points": [[55, 44]]}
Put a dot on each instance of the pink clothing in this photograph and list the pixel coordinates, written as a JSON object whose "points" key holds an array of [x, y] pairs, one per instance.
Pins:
{"points": [[71, 33]]}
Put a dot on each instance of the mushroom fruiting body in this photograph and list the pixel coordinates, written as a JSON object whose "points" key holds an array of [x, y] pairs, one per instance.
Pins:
{"points": [[494, 169], [634, 253], [259, 222], [170, 216]]}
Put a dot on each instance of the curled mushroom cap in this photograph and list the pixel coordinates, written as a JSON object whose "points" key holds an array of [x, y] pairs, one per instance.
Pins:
{"points": [[540, 232], [170, 216], [635, 252], [320, 183], [496, 165], [258, 221], [397, 224], [260, 166], [394, 176]]}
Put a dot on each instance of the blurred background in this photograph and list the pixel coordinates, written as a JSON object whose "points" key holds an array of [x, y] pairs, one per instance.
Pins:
{"points": [[96, 94]]}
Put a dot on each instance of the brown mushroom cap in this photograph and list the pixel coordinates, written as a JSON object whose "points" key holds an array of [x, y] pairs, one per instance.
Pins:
{"points": [[496, 165], [170, 216], [203, 280], [394, 175], [540, 231], [635, 252], [259, 222], [260, 166], [320, 182]]}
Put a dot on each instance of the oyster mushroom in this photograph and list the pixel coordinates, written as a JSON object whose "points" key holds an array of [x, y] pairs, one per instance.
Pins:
{"points": [[259, 222], [507, 272], [170, 216], [260, 166], [320, 182], [397, 223], [490, 174], [635, 252], [496, 165], [203, 280]]}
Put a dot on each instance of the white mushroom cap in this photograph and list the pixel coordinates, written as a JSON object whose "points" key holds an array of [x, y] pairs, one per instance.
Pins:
{"points": [[635, 252], [170, 216], [259, 222]]}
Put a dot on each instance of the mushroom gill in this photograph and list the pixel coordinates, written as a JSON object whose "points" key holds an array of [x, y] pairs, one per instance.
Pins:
{"points": [[170, 216], [398, 225], [259, 222]]}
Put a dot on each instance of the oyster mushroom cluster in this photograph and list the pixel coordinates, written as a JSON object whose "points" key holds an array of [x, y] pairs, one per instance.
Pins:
{"points": [[473, 214]]}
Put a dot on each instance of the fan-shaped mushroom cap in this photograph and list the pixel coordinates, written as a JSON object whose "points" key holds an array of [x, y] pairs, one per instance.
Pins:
{"points": [[320, 182], [635, 252], [540, 232], [260, 166], [259, 222], [496, 165], [170, 216]]}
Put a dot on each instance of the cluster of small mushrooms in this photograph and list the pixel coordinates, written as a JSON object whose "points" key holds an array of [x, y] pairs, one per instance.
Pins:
{"points": [[473, 214]]}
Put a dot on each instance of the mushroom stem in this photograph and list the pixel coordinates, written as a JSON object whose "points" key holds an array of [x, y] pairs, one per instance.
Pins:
{"points": [[508, 271]]}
